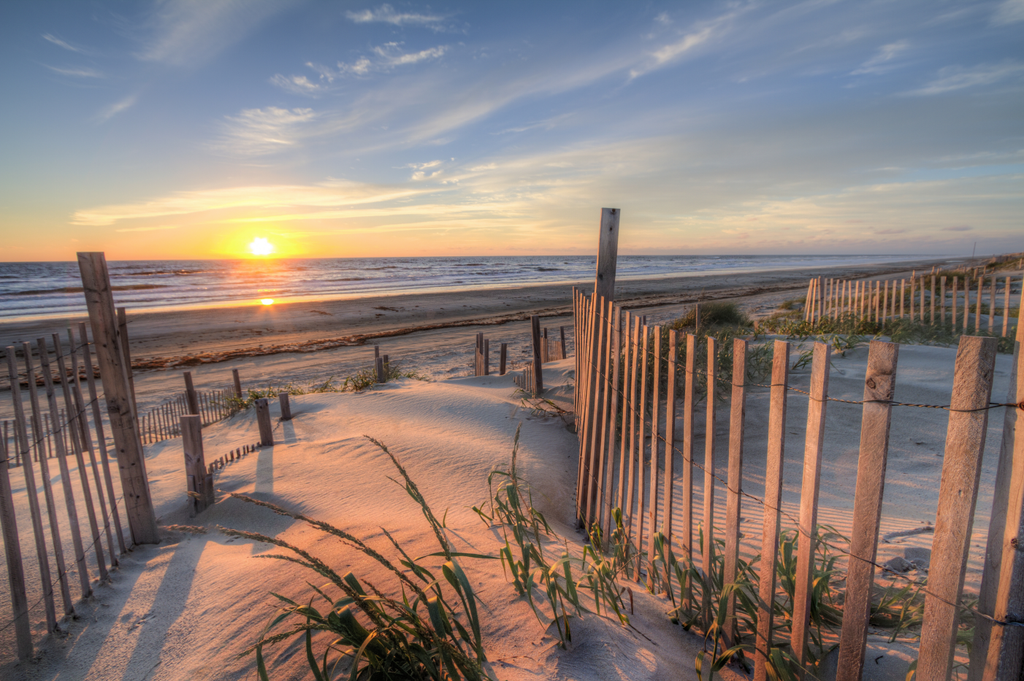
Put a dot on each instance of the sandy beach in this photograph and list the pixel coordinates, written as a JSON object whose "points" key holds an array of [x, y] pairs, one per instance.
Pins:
{"points": [[431, 334], [187, 607]]}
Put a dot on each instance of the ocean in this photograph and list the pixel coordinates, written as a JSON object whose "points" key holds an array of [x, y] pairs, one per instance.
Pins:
{"points": [[32, 290]]}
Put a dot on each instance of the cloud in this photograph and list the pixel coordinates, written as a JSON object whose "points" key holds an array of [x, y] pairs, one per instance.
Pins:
{"points": [[329, 194], [958, 228], [547, 124], [81, 72], [1010, 12], [419, 170], [299, 85], [60, 43], [391, 54], [663, 19], [187, 32], [700, 34], [672, 51], [953, 78], [258, 132], [384, 58], [387, 14], [117, 107], [880, 63], [157, 228]]}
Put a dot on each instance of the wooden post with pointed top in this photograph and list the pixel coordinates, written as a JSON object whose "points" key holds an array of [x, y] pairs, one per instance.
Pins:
{"points": [[122, 329], [607, 253], [191, 399], [131, 463]]}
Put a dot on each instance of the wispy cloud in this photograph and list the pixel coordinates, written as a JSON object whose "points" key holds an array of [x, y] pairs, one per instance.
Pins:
{"points": [[155, 228], [79, 72], [300, 85], [330, 194], [547, 124], [187, 32], [387, 14], [882, 61], [383, 58], [958, 228], [391, 54], [672, 51], [109, 112], [689, 41], [953, 78], [1009, 12], [420, 170], [258, 132], [62, 43]]}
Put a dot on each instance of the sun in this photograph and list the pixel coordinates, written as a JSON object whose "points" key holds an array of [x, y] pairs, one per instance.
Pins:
{"points": [[261, 246]]}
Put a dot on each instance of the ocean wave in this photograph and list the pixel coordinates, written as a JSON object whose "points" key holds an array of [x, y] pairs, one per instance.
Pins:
{"points": [[78, 289]]}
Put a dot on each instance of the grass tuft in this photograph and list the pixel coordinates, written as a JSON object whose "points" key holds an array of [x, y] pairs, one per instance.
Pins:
{"points": [[431, 633]]}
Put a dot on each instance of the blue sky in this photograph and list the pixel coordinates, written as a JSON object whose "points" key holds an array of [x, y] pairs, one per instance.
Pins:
{"points": [[185, 129]]}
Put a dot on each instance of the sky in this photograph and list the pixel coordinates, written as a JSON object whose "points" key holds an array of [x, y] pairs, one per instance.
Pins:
{"points": [[186, 129]]}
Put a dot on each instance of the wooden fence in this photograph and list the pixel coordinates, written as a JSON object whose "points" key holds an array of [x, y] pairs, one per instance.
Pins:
{"points": [[163, 421], [626, 415], [70, 428], [936, 300]]}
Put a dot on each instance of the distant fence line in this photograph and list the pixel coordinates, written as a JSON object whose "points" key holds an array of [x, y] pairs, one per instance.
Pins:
{"points": [[933, 299], [625, 405]]}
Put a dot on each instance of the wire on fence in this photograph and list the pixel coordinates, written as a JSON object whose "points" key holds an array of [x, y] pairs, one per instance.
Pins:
{"points": [[61, 576], [635, 412]]}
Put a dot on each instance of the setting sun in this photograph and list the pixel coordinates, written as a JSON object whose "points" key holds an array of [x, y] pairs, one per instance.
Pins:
{"points": [[261, 246]]}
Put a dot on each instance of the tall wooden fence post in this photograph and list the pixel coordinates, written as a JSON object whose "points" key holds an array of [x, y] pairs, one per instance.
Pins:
{"points": [[1003, 652], [22, 442], [131, 463], [122, 329], [958, 493], [191, 399], [197, 477], [879, 387], [607, 252], [12, 549], [263, 420], [814, 439], [772, 504], [237, 383], [737, 417], [538, 367]]}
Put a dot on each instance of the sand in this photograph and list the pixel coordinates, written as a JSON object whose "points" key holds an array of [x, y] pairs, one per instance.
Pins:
{"points": [[187, 607]]}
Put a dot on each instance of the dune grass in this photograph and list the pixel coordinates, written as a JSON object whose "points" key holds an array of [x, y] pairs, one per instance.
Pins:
{"points": [[431, 633], [362, 380]]}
